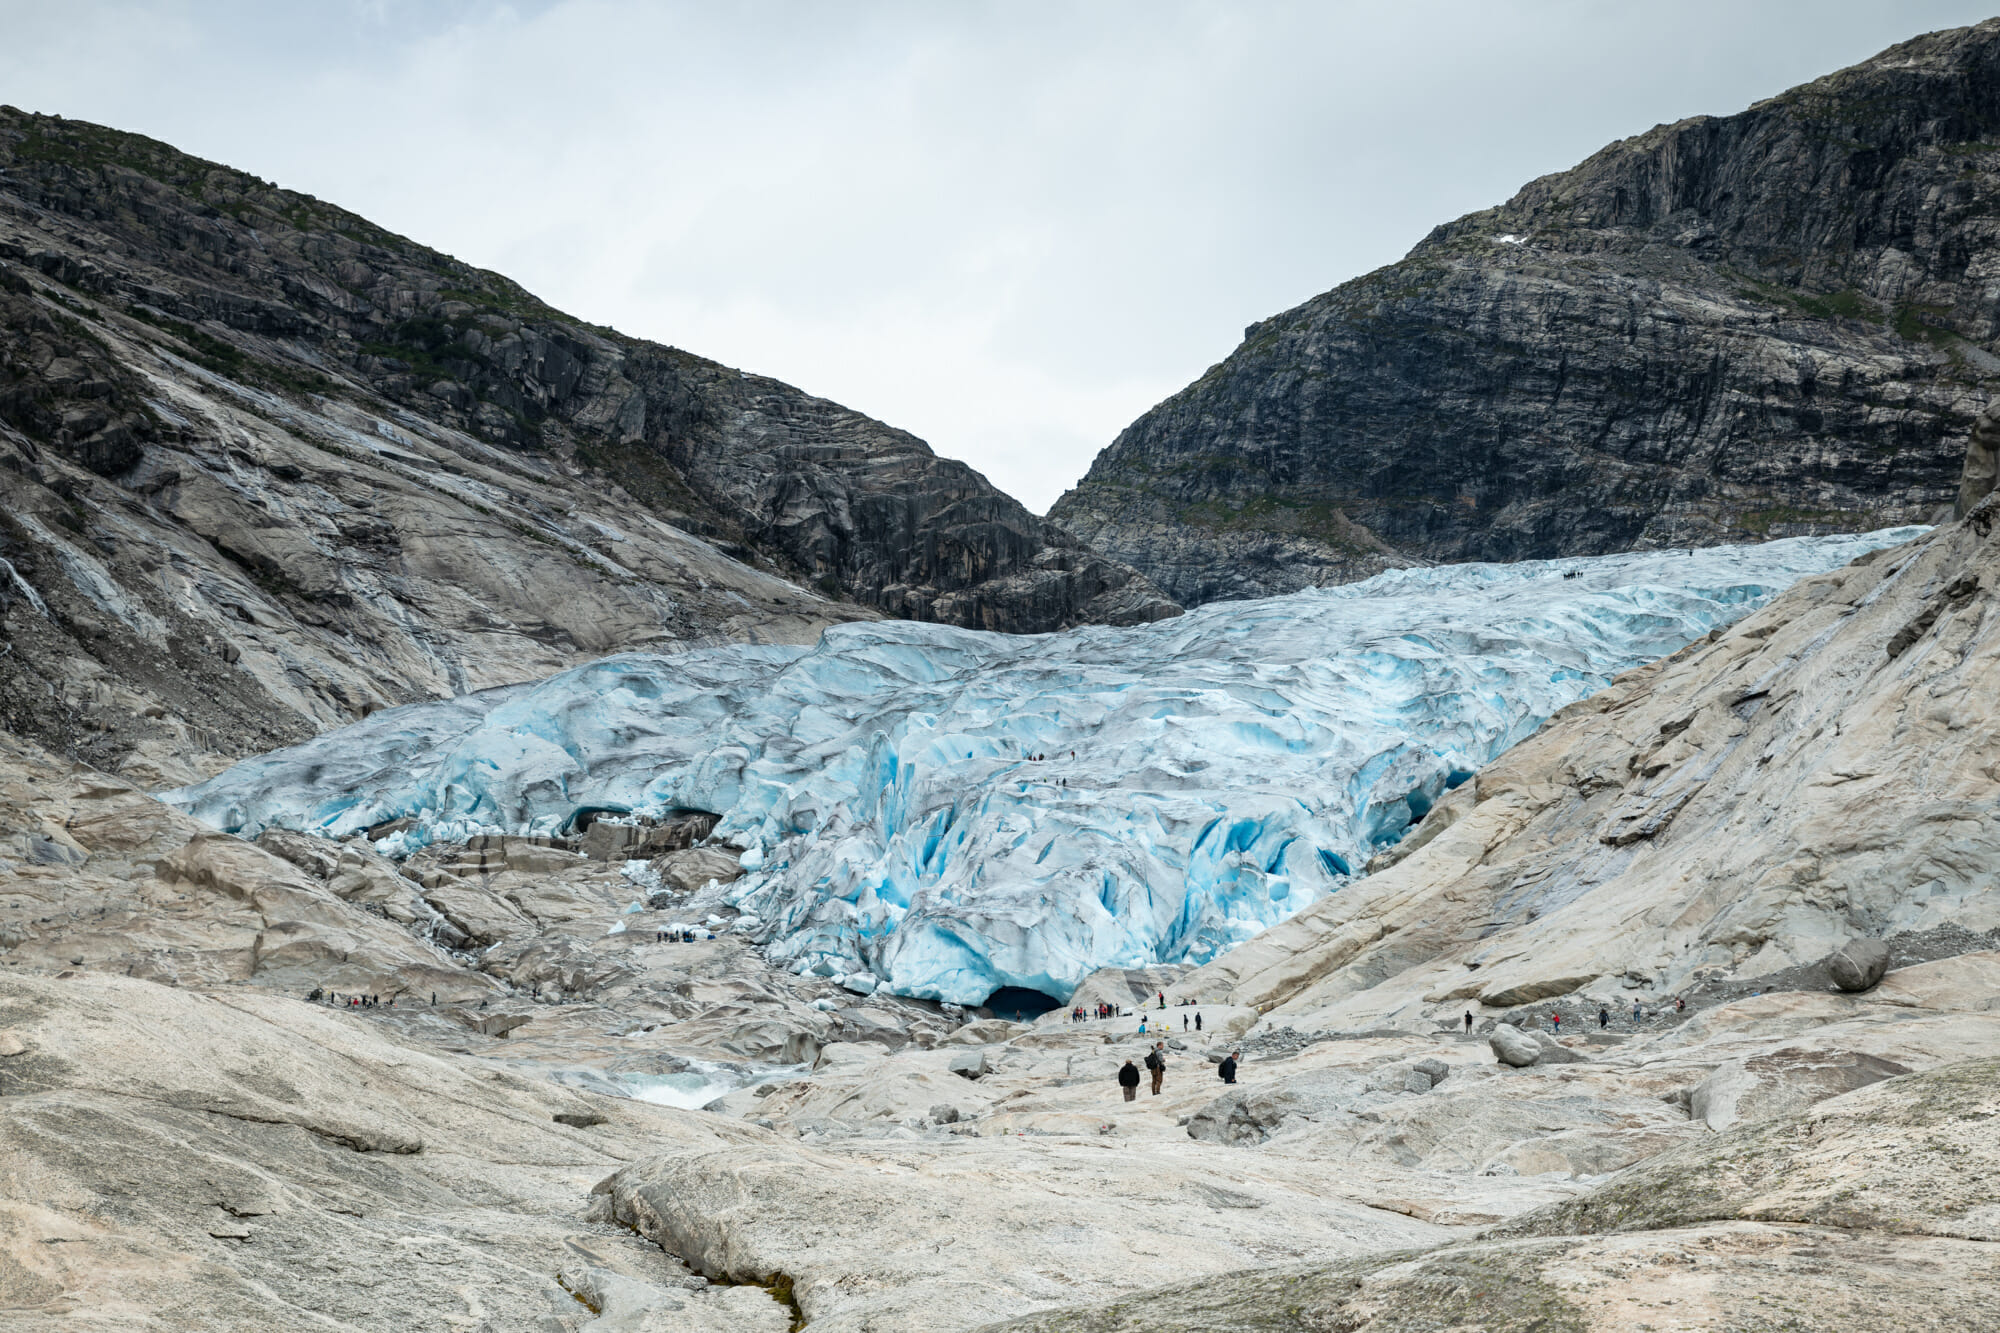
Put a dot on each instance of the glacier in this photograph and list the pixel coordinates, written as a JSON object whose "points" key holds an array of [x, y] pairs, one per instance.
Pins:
{"points": [[943, 812]]}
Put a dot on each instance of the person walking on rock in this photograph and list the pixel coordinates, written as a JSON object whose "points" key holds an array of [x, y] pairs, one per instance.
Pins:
{"points": [[1227, 1069], [1556, 1021], [1156, 1060], [1128, 1079], [1468, 1022], [1603, 1017], [1197, 1020], [1638, 1015]]}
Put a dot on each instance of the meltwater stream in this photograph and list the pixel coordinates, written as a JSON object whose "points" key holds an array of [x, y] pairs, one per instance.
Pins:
{"points": [[945, 812]]}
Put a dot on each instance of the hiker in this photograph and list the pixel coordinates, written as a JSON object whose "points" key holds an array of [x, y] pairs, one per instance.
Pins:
{"points": [[1556, 1021], [1163, 999], [1128, 1079], [1197, 1020], [1680, 1004], [1184, 1026], [1227, 1069], [1603, 1017], [1638, 1015], [1468, 1022], [1156, 1060], [1142, 1025]]}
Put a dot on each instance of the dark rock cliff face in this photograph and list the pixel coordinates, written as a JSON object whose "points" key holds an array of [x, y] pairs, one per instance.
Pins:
{"points": [[298, 297], [1726, 329], [265, 468]]}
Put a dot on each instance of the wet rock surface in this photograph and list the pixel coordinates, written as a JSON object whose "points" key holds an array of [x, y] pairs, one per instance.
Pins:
{"points": [[1682, 341]]}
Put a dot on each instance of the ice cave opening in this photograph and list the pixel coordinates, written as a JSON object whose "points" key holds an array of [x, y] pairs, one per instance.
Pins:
{"points": [[1018, 1004]]}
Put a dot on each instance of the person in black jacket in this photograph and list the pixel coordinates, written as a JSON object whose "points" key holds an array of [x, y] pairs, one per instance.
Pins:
{"points": [[1228, 1068], [1128, 1079]]}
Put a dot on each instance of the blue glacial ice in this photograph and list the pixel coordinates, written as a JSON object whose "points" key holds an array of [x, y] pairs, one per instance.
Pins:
{"points": [[1202, 778]]}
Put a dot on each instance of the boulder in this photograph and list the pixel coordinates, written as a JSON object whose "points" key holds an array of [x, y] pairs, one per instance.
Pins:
{"points": [[1514, 1047], [690, 869], [608, 841], [389, 827], [615, 840], [1858, 964], [578, 1119], [944, 1114], [1409, 1076], [969, 1064], [496, 1024], [1251, 1115], [1555, 1053], [530, 858]]}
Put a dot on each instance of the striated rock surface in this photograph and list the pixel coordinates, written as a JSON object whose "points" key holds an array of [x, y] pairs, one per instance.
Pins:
{"points": [[1723, 329], [268, 468], [189, 1139], [1740, 809], [1866, 1212]]}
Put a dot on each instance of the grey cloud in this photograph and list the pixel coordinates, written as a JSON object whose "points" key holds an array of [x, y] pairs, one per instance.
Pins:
{"points": [[1008, 227]]}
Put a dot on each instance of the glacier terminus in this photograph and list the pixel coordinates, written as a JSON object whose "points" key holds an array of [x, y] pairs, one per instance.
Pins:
{"points": [[944, 812]]}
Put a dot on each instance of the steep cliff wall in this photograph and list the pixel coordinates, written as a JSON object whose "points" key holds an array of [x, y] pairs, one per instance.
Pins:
{"points": [[267, 467], [1766, 324]]}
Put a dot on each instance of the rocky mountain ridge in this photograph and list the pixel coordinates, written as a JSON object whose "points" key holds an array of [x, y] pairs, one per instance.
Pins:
{"points": [[1725, 329], [267, 467]]}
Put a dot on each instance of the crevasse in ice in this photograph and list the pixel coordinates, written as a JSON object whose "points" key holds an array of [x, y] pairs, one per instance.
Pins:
{"points": [[946, 812]]}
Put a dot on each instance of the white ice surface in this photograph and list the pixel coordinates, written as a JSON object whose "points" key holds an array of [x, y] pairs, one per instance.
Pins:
{"points": [[1205, 776]]}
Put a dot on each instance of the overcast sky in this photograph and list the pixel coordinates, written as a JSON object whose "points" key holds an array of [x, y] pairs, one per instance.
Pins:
{"points": [[1007, 227]]}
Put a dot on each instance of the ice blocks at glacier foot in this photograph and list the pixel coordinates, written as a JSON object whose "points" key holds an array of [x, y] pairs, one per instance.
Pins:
{"points": [[946, 812]]}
